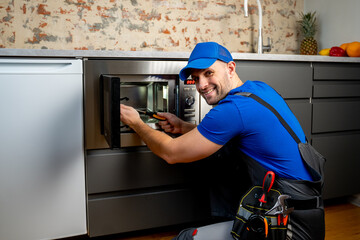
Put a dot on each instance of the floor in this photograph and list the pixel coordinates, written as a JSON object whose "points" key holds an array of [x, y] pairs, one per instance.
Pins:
{"points": [[342, 220]]}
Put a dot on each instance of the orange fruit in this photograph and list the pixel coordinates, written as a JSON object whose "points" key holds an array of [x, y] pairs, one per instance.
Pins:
{"points": [[344, 46], [353, 49]]}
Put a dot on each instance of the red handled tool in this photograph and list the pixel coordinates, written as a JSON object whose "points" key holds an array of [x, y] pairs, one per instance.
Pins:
{"points": [[151, 114], [282, 220], [267, 185]]}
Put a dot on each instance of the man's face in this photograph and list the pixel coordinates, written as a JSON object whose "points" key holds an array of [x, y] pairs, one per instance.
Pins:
{"points": [[214, 82]]}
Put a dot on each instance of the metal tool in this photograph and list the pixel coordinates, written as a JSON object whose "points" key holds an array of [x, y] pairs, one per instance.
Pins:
{"points": [[280, 207], [151, 114]]}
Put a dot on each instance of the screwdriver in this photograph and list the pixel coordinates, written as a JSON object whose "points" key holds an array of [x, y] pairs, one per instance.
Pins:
{"points": [[151, 114], [267, 185]]}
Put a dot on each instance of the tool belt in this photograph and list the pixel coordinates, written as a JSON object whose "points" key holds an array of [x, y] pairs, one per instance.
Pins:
{"points": [[268, 220], [251, 220]]}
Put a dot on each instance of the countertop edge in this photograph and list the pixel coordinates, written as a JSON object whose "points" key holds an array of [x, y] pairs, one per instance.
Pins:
{"points": [[47, 53]]}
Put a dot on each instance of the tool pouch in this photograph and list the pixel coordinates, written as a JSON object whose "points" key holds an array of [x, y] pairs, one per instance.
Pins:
{"points": [[251, 222]]}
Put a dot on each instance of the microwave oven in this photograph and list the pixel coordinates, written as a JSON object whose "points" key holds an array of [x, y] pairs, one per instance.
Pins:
{"points": [[145, 85]]}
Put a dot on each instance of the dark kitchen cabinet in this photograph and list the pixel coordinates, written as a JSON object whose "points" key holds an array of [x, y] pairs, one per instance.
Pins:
{"points": [[128, 187], [132, 189], [336, 125]]}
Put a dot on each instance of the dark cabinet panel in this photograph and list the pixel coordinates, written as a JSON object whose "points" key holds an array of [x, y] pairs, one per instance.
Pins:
{"points": [[109, 171], [336, 89], [331, 116], [291, 80], [147, 210], [343, 163], [337, 71]]}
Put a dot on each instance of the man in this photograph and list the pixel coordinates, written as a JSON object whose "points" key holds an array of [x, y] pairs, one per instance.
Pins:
{"points": [[255, 131]]}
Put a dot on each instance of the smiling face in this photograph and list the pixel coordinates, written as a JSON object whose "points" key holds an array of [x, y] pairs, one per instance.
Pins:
{"points": [[215, 82]]}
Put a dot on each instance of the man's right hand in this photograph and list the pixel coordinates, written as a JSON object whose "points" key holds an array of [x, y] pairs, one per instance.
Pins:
{"points": [[174, 125]]}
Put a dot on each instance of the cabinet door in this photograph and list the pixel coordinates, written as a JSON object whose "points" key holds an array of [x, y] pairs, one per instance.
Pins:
{"points": [[291, 80], [342, 166]]}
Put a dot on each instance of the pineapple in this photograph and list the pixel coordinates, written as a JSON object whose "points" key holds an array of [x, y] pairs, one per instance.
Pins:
{"points": [[308, 26]]}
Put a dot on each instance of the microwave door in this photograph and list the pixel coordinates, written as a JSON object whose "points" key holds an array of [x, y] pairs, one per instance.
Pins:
{"points": [[110, 109]]}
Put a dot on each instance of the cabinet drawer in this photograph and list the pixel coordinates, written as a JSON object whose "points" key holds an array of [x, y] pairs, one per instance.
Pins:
{"points": [[342, 166], [334, 116], [336, 71], [291, 80], [144, 211], [109, 170], [336, 89]]}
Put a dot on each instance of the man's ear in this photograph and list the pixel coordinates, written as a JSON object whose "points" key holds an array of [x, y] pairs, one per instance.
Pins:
{"points": [[231, 68]]}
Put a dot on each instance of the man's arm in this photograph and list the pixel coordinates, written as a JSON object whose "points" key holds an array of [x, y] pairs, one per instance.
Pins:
{"points": [[189, 147]]}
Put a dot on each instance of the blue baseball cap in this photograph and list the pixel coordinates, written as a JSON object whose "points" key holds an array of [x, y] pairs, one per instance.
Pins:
{"points": [[203, 56]]}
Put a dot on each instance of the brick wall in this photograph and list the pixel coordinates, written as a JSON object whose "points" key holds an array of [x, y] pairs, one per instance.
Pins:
{"points": [[146, 25]]}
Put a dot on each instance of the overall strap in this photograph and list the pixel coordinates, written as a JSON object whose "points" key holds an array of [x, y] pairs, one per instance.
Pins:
{"points": [[267, 105], [284, 184]]}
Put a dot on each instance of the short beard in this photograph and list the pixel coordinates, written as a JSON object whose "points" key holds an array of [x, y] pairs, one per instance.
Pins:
{"points": [[216, 103], [219, 96]]}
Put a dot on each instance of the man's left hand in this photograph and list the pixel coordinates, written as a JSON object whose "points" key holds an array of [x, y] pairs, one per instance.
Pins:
{"points": [[129, 116]]}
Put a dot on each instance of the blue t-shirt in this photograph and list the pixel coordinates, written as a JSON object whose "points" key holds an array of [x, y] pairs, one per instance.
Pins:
{"points": [[257, 131]]}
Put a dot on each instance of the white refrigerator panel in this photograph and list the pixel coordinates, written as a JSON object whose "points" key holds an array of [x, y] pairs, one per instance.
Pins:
{"points": [[42, 175]]}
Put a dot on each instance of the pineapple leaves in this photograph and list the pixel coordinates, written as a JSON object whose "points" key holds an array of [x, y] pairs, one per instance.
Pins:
{"points": [[307, 23]]}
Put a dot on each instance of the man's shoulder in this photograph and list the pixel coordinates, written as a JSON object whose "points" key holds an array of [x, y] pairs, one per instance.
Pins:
{"points": [[250, 86]]}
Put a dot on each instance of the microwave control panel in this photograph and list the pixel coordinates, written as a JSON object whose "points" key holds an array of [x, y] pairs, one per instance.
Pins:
{"points": [[189, 105]]}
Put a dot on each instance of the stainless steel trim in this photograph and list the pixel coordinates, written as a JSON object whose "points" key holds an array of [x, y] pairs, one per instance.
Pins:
{"points": [[130, 139]]}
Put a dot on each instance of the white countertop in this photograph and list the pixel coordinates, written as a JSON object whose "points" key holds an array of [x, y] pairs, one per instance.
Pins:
{"points": [[47, 53]]}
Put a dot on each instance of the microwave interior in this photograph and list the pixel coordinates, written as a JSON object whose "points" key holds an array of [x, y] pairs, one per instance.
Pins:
{"points": [[144, 93]]}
